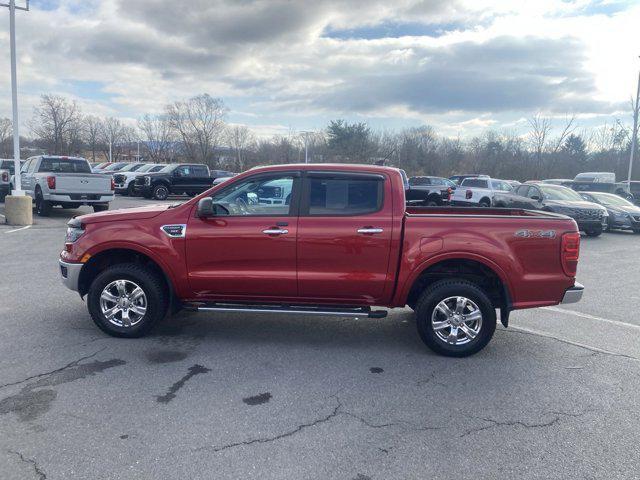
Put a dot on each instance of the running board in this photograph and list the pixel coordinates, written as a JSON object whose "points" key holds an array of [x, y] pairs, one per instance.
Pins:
{"points": [[295, 309]]}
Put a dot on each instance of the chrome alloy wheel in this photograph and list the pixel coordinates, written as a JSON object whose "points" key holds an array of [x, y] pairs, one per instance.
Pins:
{"points": [[456, 320], [123, 303]]}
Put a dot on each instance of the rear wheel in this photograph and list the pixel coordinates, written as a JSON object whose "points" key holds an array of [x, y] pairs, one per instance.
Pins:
{"points": [[127, 300], [160, 192], [455, 318], [43, 207], [432, 203], [485, 203]]}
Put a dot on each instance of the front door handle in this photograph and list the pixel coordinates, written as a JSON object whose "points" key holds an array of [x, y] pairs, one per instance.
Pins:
{"points": [[275, 231], [369, 230]]}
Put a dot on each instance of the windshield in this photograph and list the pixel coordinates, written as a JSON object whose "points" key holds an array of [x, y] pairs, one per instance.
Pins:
{"points": [[612, 200], [115, 166], [129, 168], [560, 193], [146, 168], [168, 168], [64, 165]]}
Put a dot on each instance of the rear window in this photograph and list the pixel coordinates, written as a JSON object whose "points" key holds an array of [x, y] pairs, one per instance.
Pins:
{"points": [[64, 165], [474, 182], [418, 181], [344, 196]]}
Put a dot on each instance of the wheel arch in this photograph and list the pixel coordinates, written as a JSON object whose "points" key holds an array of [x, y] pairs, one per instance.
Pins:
{"points": [[107, 257], [478, 270]]}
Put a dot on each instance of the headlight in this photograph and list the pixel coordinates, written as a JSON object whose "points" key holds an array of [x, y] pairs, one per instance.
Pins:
{"points": [[75, 230]]}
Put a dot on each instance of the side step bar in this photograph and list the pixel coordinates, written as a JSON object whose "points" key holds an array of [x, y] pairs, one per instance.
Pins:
{"points": [[295, 309]]}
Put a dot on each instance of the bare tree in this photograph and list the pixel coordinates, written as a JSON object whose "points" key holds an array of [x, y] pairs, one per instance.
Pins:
{"points": [[92, 128], [240, 138], [57, 123], [6, 130], [199, 121], [158, 137], [113, 134]]}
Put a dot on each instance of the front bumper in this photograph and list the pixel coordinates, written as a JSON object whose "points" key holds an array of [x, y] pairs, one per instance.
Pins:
{"points": [[70, 273], [142, 189], [584, 225], [573, 294]]}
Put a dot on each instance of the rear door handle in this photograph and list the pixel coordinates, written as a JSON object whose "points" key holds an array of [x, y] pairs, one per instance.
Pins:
{"points": [[275, 231], [369, 230]]}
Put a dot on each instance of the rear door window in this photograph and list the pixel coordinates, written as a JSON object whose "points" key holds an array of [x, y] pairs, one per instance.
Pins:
{"points": [[343, 195]]}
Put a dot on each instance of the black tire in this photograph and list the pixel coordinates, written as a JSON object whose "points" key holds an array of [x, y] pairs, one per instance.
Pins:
{"points": [[153, 288], [160, 192], [445, 289], [594, 233], [485, 203], [131, 190], [43, 207], [432, 203], [101, 207], [2, 196]]}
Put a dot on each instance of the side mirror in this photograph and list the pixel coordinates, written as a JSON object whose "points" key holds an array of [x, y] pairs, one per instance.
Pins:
{"points": [[206, 208], [536, 198]]}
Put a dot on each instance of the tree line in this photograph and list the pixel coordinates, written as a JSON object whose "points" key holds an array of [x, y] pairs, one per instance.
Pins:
{"points": [[196, 130]]}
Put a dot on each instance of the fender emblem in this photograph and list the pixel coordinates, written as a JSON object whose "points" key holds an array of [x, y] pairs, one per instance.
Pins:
{"points": [[174, 231]]}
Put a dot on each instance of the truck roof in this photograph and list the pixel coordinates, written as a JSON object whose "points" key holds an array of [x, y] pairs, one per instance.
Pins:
{"points": [[351, 167]]}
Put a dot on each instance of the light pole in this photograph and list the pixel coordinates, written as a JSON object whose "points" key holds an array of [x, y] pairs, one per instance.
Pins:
{"points": [[14, 93], [634, 133], [306, 150]]}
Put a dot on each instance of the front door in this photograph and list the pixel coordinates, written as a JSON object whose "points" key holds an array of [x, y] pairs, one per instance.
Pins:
{"points": [[344, 236], [250, 252]]}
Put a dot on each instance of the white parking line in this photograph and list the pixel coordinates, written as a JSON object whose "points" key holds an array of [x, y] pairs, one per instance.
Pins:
{"points": [[18, 229], [591, 317]]}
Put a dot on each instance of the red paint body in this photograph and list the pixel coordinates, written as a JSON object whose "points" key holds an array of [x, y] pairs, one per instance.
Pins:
{"points": [[323, 260]]}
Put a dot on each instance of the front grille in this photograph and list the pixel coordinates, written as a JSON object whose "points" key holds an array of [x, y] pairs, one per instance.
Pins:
{"points": [[140, 181], [588, 214], [119, 178], [636, 218]]}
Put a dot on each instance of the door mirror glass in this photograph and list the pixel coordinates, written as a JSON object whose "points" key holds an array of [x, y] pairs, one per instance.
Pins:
{"points": [[207, 209]]}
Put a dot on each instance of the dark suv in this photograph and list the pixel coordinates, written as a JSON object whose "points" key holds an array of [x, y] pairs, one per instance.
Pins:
{"points": [[590, 217], [177, 178]]}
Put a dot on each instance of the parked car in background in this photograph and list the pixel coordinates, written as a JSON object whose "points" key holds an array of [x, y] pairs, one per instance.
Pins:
{"points": [[175, 178], [114, 167], [634, 189], [557, 181], [600, 182], [100, 167], [221, 173], [623, 215], [345, 244], [458, 179], [590, 217], [219, 180], [513, 183], [125, 180], [429, 191], [7, 169], [478, 191], [65, 181]]}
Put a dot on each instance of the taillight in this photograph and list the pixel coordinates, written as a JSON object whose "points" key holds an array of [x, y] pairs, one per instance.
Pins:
{"points": [[468, 194], [5, 176], [113, 184], [51, 183], [570, 253]]}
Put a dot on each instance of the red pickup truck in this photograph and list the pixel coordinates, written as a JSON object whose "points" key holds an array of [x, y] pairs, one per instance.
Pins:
{"points": [[324, 240]]}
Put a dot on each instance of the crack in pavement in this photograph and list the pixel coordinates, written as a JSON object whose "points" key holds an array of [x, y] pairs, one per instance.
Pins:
{"points": [[37, 470], [525, 331], [493, 423], [337, 411], [57, 370]]}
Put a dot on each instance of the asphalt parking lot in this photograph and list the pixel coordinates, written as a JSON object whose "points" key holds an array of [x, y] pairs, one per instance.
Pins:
{"points": [[270, 397]]}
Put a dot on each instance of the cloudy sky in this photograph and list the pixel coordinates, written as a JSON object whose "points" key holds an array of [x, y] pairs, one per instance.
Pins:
{"points": [[460, 65]]}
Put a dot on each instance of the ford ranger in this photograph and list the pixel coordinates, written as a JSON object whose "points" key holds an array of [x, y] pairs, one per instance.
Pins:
{"points": [[341, 243]]}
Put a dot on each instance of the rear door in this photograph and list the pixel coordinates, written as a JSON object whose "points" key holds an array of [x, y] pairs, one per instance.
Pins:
{"points": [[344, 236]]}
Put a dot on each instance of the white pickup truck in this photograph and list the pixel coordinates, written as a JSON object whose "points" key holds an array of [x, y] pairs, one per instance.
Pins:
{"points": [[478, 192], [65, 181], [6, 172]]}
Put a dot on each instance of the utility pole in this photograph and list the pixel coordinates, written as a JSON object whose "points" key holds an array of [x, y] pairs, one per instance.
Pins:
{"points": [[14, 93], [634, 133], [110, 143], [306, 150]]}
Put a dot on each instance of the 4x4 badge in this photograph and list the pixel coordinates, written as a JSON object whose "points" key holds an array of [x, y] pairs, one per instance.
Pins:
{"points": [[538, 234]]}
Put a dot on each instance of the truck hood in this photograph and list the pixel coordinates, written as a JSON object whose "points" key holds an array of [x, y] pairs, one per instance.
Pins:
{"points": [[139, 213]]}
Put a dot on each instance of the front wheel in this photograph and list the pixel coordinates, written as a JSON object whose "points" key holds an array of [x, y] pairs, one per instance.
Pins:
{"points": [[160, 192], [485, 203], [455, 318], [127, 300], [593, 233]]}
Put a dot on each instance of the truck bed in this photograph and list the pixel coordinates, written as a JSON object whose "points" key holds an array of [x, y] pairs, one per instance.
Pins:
{"points": [[478, 211]]}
